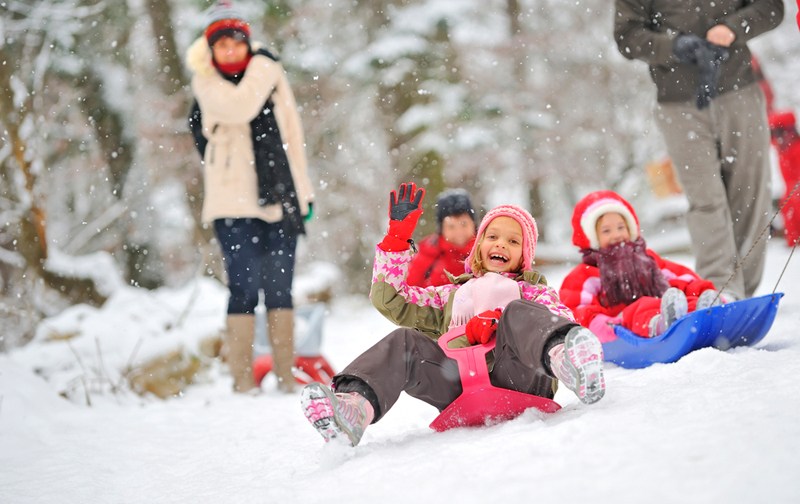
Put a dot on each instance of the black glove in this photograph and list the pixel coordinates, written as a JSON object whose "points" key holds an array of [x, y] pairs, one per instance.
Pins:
{"points": [[707, 57], [685, 48], [405, 208], [709, 60], [405, 201]]}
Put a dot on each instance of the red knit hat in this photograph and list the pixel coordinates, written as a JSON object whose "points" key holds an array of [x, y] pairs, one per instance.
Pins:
{"points": [[591, 208], [529, 233], [224, 20]]}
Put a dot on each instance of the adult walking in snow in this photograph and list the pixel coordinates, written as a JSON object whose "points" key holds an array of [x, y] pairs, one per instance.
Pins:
{"points": [[712, 116], [257, 190], [538, 340]]}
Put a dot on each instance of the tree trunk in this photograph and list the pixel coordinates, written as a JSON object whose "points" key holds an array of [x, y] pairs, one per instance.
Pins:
{"points": [[31, 229]]}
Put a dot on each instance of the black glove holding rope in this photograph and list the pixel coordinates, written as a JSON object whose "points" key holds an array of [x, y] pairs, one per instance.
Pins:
{"points": [[707, 57]]}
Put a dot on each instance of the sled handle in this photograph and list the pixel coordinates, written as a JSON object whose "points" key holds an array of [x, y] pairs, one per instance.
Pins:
{"points": [[471, 360]]}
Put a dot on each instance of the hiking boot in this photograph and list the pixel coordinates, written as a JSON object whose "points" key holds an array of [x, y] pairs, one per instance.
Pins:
{"points": [[707, 299], [656, 326], [673, 307], [336, 416], [578, 364]]}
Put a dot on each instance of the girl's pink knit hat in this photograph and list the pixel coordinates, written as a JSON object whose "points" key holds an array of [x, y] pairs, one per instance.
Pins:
{"points": [[529, 233]]}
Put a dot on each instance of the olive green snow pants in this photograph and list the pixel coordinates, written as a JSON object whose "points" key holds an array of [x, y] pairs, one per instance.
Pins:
{"points": [[721, 158]]}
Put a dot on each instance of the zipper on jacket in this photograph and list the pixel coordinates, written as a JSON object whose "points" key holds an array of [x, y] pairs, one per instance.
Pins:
{"points": [[213, 149]]}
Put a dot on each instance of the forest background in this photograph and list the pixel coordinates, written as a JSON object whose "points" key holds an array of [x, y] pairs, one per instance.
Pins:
{"points": [[524, 101]]}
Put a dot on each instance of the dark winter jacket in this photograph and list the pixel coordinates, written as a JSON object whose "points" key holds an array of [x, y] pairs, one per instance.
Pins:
{"points": [[645, 30], [248, 132]]}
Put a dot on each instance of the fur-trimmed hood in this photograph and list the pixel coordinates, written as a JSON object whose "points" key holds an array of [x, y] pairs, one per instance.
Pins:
{"points": [[591, 208]]}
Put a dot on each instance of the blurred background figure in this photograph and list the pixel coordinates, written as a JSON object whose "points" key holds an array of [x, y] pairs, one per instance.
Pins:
{"points": [[257, 193], [785, 138], [784, 135], [712, 116], [446, 250]]}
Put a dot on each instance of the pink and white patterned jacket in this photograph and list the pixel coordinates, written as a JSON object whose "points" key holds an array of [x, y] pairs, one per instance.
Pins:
{"points": [[428, 309]]}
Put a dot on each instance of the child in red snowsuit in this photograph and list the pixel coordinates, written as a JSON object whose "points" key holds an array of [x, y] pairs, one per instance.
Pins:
{"points": [[783, 128], [445, 251], [785, 139], [620, 281], [498, 294]]}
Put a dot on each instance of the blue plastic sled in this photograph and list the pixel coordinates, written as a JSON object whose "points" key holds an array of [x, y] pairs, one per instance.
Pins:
{"points": [[739, 323]]}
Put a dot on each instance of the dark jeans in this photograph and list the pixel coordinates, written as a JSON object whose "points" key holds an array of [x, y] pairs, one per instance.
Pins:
{"points": [[257, 255]]}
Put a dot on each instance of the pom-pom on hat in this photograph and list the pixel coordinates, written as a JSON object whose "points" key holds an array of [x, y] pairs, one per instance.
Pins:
{"points": [[225, 20], [589, 210], [529, 233], [453, 202]]}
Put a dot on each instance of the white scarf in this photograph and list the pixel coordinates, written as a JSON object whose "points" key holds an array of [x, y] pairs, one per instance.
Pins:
{"points": [[490, 291]]}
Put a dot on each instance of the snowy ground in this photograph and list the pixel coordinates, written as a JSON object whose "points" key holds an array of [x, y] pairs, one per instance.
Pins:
{"points": [[714, 427]]}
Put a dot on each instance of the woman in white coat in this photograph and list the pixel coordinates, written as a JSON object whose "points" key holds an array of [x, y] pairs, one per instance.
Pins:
{"points": [[257, 193]]}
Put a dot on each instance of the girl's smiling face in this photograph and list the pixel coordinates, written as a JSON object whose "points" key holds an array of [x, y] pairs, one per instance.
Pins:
{"points": [[501, 245], [611, 229]]}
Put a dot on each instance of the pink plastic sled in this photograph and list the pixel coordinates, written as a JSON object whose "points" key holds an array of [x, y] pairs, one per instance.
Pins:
{"points": [[481, 402]]}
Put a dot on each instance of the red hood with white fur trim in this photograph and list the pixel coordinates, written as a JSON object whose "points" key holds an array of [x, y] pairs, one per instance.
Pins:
{"points": [[591, 208]]}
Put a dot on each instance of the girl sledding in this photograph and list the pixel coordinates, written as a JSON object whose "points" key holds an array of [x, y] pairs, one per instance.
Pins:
{"points": [[622, 282], [636, 302], [538, 342]]}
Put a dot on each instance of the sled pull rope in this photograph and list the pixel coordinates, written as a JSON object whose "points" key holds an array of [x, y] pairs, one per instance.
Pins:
{"points": [[794, 246], [760, 236]]}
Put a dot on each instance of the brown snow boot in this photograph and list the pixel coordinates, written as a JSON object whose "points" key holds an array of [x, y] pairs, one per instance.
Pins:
{"points": [[281, 338], [239, 351]]}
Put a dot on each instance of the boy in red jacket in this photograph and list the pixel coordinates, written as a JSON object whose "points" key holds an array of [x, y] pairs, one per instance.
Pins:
{"points": [[446, 250], [620, 281]]}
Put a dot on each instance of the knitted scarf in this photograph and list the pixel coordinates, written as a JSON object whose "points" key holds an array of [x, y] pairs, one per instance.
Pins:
{"points": [[626, 272], [487, 292], [232, 69]]}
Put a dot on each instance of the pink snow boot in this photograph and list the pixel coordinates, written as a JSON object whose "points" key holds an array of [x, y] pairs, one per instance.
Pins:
{"points": [[336, 415], [578, 364]]}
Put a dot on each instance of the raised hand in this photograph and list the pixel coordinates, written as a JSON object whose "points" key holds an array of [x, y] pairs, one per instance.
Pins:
{"points": [[405, 200], [405, 208]]}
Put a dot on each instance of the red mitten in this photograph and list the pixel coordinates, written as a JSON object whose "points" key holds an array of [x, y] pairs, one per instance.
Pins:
{"points": [[398, 237], [678, 283], [405, 208], [482, 327], [696, 287]]}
